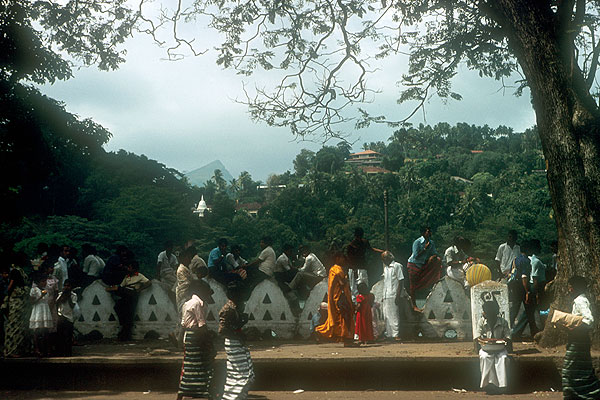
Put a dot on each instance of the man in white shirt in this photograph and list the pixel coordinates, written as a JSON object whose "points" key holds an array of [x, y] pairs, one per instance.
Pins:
{"points": [[507, 252], [393, 284], [455, 258], [166, 266], [234, 260], [284, 271], [264, 266], [61, 267], [311, 273], [93, 265]]}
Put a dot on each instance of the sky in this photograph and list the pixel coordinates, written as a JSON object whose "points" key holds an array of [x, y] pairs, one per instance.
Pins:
{"points": [[184, 113]]}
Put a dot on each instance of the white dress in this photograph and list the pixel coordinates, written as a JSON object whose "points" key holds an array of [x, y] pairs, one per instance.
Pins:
{"points": [[41, 316]]}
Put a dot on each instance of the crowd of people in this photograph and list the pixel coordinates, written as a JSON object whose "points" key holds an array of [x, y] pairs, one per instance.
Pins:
{"points": [[40, 296]]}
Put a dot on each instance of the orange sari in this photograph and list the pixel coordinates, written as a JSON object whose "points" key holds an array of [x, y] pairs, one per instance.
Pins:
{"points": [[339, 324]]}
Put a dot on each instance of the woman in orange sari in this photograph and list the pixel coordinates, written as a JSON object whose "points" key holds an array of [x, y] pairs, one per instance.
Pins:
{"points": [[339, 325]]}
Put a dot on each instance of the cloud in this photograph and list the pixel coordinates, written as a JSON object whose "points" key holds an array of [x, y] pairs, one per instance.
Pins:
{"points": [[182, 113]]}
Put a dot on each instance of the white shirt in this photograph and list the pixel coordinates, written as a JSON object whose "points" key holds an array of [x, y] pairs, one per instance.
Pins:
{"points": [[505, 255], [452, 254], [169, 262], [61, 271], [313, 265], [283, 263], [93, 265], [64, 308], [193, 313], [267, 261], [392, 275], [232, 263], [581, 307]]}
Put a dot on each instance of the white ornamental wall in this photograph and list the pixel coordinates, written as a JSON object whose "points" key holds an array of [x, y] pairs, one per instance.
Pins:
{"points": [[155, 312], [488, 290], [97, 311], [447, 311], [311, 306], [267, 308]]}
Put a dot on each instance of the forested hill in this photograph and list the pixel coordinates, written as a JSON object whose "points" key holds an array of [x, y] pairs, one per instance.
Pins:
{"points": [[64, 188]]}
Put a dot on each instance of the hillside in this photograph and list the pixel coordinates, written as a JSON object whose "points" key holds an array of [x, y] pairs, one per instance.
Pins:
{"points": [[199, 176]]}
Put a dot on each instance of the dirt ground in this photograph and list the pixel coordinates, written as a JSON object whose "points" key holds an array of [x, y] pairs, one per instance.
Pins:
{"points": [[304, 349], [420, 395]]}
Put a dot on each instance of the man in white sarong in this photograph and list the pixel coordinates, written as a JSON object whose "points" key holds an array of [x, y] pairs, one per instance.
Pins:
{"points": [[493, 360], [393, 281]]}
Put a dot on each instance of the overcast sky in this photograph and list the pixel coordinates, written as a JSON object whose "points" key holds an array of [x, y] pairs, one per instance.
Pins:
{"points": [[183, 113]]}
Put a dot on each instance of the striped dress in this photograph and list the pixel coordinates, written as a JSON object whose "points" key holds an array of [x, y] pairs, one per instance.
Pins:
{"points": [[579, 379], [197, 370], [198, 352], [240, 370]]}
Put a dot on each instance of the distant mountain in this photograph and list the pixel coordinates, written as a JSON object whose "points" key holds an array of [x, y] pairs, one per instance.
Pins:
{"points": [[199, 176]]}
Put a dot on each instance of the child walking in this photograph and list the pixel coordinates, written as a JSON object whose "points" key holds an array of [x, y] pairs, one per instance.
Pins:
{"points": [[41, 317], [66, 302], [240, 370], [364, 314]]}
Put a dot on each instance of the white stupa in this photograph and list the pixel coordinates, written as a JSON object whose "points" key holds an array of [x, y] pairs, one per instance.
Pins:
{"points": [[201, 207]]}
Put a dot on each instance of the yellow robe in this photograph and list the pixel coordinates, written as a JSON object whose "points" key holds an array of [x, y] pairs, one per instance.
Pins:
{"points": [[339, 321]]}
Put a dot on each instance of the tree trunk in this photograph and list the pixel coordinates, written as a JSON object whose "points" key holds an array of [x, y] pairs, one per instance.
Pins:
{"points": [[568, 123]]}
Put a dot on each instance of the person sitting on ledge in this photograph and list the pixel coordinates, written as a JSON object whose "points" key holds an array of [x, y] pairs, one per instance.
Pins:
{"points": [[311, 273], [492, 334], [424, 265], [128, 292]]}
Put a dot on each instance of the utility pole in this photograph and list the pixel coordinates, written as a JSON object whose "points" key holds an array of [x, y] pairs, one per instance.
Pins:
{"points": [[385, 219]]}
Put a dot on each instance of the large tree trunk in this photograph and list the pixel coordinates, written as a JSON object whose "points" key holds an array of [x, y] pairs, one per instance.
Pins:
{"points": [[568, 124]]}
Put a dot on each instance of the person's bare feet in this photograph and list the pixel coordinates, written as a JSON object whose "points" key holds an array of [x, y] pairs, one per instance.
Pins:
{"points": [[417, 309]]}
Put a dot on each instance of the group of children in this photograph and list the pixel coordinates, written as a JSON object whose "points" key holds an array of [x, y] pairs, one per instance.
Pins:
{"points": [[54, 308]]}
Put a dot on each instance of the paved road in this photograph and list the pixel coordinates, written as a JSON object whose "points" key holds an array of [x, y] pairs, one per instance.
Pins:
{"points": [[420, 395]]}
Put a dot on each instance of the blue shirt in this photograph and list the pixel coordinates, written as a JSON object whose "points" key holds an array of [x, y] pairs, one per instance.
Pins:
{"points": [[417, 247], [213, 257], [522, 268], [538, 270]]}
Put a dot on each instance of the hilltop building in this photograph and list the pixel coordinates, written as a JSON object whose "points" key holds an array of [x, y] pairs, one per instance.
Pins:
{"points": [[368, 161]]}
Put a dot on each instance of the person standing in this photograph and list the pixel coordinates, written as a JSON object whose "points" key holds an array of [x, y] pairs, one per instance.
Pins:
{"points": [[16, 302], [424, 265], [393, 283], [506, 254], [128, 292], [356, 252], [198, 349], [166, 266], [240, 370], [61, 267], [521, 291], [115, 269], [41, 319], [339, 325], [93, 265], [66, 302], [579, 379]]}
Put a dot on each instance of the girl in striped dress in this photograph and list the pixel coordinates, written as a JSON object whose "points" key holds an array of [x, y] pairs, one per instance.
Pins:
{"points": [[240, 371], [198, 349]]}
